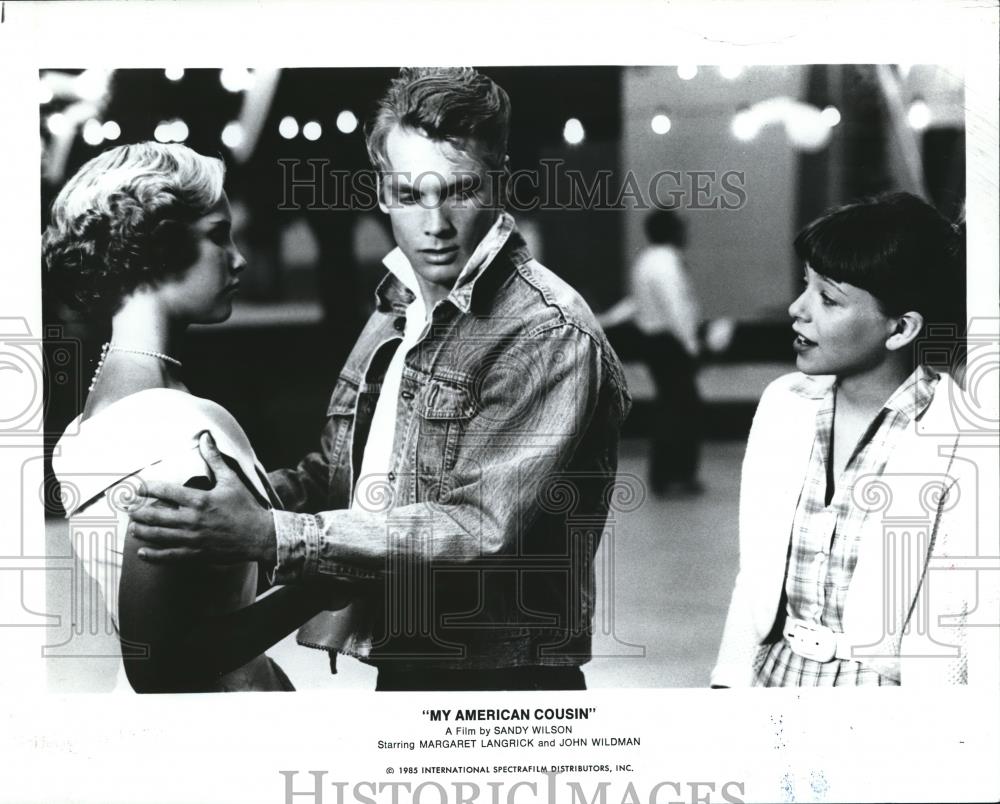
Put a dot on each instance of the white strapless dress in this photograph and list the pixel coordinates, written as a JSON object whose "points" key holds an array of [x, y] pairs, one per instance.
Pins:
{"points": [[100, 464]]}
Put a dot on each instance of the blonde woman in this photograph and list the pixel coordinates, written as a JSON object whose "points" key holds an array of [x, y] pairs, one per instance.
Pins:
{"points": [[141, 235]]}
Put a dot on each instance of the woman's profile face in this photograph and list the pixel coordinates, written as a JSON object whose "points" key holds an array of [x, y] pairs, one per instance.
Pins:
{"points": [[203, 293]]}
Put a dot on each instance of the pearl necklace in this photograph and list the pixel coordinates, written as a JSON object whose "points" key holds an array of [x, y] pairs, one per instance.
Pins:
{"points": [[113, 347]]}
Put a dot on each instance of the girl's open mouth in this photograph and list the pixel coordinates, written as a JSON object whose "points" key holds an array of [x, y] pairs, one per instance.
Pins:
{"points": [[802, 343]]}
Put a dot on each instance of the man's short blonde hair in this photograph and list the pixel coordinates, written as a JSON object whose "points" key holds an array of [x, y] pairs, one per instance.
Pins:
{"points": [[449, 104]]}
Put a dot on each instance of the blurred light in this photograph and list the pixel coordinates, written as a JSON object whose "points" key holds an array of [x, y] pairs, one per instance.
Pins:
{"points": [[805, 127], [111, 130], [92, 134], [731, 71], [174, 73], [745, 126], [573, 131], [919, 115], [58, 124], [45, 93], [92, 84], [171, 131], [288, 127], [687, 71], [347, 122], [236, 79], [719, 334], [312, 131], [233, 135], [660, 123], [830, 115]]}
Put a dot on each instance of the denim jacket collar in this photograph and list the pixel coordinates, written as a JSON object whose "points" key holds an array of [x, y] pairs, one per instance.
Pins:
{"points": [[399, 287]]}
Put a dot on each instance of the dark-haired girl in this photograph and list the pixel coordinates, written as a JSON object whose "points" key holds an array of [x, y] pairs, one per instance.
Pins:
{"points": [[855, 499]]}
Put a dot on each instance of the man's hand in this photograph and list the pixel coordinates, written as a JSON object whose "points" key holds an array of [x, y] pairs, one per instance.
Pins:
{"points": [[225, 525]]}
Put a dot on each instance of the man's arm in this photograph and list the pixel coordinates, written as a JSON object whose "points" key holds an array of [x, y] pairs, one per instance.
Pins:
{"points": [[527, 425], [523, 435], [304, 487], [313, 485]]}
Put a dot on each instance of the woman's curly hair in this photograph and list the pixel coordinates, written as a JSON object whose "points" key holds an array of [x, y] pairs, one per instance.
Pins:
{"points": [[118, 223]]}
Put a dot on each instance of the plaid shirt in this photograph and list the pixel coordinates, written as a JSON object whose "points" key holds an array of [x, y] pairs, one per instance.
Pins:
{"points": [[824, 539]]}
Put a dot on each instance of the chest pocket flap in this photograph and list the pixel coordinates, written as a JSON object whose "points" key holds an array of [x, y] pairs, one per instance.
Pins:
{"points": [[444, 401]]}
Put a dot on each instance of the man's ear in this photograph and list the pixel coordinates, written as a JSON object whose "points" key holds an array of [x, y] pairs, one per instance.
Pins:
{"points": [[380, 189], [504, 184], [908, 326]]}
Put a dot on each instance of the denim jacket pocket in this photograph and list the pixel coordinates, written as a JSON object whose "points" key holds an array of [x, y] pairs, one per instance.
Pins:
{"points": [[444, 411]]}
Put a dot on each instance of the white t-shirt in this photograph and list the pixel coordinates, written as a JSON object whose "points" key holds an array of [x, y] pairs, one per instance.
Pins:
{"points": [[663, 297]]}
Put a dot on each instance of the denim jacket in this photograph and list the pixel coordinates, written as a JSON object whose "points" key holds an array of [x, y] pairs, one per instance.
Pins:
{"points": [[478, 545]]}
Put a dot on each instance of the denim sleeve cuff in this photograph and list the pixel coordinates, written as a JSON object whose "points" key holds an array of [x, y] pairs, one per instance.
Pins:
{"points": [[295, 536], [299, 538]]}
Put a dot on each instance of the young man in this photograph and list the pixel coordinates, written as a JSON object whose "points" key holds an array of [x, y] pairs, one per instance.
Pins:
{"points": [[475, 422], [858, 493]]}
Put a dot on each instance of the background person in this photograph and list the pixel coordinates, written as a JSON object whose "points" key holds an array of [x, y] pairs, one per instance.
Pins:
{"points": [[657, 323]]}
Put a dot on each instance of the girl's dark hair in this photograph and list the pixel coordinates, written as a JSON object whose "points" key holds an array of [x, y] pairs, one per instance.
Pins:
{"points": [[898, 248]]}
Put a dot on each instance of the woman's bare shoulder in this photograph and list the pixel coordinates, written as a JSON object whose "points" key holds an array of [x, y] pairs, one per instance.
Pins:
{"points": [[116, 384]]}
